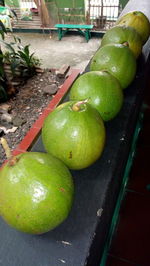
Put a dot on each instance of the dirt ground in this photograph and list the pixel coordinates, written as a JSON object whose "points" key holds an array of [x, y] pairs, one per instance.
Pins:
{"points": [[25, 107]]}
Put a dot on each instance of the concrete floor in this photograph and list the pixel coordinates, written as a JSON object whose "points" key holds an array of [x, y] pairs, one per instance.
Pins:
{"points": [[72, 49]]}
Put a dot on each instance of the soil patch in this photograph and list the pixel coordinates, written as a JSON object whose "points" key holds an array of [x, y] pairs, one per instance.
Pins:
{"points": [[26, 106]]}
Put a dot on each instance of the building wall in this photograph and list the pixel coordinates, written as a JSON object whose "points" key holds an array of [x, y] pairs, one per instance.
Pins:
{"points": [[10, 3], [68, 3], [62, 3], [62, 11]]}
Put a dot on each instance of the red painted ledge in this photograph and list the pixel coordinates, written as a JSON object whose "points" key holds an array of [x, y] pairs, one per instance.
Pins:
{"points": [[34, 131]]}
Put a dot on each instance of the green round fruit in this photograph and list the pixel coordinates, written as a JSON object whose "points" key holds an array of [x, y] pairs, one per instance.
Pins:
{"points": [[36, 192], [138, 21], [102, 90], [124, 34], [74, 132], [118, 60]]}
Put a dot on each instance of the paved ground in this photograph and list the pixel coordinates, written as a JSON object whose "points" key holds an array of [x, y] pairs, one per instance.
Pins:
{"points": [[72, 49]]}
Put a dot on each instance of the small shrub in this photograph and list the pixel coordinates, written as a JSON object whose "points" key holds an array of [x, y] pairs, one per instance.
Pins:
{"points": [[16, 62]]}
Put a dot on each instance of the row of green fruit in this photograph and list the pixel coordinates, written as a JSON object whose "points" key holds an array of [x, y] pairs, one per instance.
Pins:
{"points": [[36, 189], [75, 131]]}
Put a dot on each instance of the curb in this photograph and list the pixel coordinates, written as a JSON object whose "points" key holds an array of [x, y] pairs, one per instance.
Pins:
{"points": [[34, 131]]}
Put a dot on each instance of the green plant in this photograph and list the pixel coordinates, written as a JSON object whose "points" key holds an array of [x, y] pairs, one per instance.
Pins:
{"points": [[1, 66], [3, 93], [2, 30], [20, 62], [19, 56]]}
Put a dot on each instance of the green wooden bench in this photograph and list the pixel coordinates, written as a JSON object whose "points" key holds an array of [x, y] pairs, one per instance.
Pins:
{"points": [[83, 29]]}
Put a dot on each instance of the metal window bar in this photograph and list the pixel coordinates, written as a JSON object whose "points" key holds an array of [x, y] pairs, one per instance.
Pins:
{"points": [[103, 13]]}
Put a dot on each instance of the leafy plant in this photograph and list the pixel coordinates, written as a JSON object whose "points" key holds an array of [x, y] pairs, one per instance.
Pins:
{"points": [[3, 93], [19, 56], [2, 30], [16, 62], [2, 33]]}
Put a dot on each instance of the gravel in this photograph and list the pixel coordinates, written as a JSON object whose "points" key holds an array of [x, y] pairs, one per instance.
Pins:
{"points": [[26, 106]]}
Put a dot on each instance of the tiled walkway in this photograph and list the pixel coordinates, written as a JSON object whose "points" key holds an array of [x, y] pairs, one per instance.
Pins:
{"points": [[131, 241]]}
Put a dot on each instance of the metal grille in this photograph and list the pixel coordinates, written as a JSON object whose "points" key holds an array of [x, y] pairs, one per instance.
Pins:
{"points": [[102, 13]]}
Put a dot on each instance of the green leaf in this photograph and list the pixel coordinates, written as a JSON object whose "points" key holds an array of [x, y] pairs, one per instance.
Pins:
{"points": [[19, 40], [14, 64], [1, 72], [14, 13], [26, 50], [2, 27], [3, 94], [8, 46], [2, 34]]}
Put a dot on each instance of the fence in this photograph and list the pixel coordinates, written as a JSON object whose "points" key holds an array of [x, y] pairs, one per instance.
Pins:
{"points": [[102, 13]]}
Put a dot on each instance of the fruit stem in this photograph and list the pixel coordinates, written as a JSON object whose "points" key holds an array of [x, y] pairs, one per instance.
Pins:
{"points": [[10, 157], [6, 148], [76, 106], [135, 13]]}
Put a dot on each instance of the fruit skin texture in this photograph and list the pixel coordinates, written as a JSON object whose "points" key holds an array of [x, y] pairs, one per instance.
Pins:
{"points": [[36, 193], [102, 91], [138, 21], [74, 132], [122, 34], [118, 60]]}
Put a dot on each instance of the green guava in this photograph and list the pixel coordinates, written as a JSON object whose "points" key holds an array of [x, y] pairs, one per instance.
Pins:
{"points": [[118, 60], [74, 132], [137, 20], [124, 34], [102, 90], [36, 192]]}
